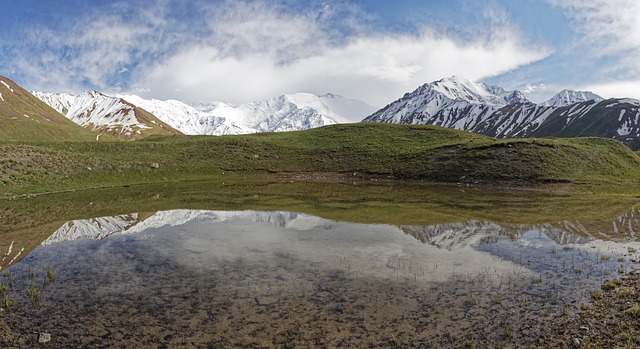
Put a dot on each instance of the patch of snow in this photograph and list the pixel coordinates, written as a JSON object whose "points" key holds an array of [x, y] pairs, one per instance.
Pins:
{"points": [[10, 248], [7, 86], [2, 97], [630, 101], [16, 256]]}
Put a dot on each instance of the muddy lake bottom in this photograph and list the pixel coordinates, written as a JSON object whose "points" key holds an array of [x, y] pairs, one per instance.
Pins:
{"points": [[273, 282]]}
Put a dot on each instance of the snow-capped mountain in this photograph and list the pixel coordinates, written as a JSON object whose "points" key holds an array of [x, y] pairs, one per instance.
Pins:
{"points": [[567, 97], [102, 227], [94, 228], [284, 113], [106, 114], [490, 110], [451, 102]]}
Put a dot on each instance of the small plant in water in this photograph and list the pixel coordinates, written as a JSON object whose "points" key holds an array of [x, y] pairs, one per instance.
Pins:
{"points": [[536, 280], [51, 274], [34, 293], [471, 301], [633, 310], [6, 303], [631, 250], [605, 258], [596, 295], [567, 248], [507, 333], [626, 292], [611, 284], [469, 343], [32, 273]]}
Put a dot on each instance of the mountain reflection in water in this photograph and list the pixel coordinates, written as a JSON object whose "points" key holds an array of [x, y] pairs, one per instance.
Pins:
{"points": [[250, 278]]}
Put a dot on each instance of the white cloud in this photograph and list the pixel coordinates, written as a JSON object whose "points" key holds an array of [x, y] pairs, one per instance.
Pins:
{"points": [[239, 51], [608, 28], [257, 52], [616, 89]]}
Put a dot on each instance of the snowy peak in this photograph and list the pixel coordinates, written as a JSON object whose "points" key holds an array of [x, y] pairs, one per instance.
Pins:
{"points": [[288, 112], [106, 114], [461, 89], [452, 102], [568, 97], [490, 110]]}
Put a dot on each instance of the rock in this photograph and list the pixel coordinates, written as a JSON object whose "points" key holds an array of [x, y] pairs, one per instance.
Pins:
{"points": [[44, 337], [577, 342], [584, 328], [154, 165]]}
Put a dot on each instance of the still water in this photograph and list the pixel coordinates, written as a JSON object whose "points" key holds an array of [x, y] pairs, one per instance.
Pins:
{"points": [[199, 278]]}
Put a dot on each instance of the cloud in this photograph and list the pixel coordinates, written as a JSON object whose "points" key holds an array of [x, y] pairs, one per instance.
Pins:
{"points": [[239, 51], [609, 29], [616, 89], [96, 50], [257, 52]]}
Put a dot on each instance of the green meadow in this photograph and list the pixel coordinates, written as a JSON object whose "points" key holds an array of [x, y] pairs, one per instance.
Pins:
{"points": [[339, 152]]}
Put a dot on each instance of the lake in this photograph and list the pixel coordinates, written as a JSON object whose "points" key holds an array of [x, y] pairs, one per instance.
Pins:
{"points": [[214, 269]]}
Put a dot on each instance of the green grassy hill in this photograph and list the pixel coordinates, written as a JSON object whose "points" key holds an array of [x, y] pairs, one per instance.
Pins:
{"points": [[24, 117], [380, 151]]}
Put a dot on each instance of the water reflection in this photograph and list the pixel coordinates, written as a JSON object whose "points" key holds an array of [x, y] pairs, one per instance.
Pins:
{"points": [[251, 278]]}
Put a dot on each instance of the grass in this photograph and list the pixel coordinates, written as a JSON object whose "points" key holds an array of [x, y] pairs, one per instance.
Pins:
{"points": [[354, 151], [34, 293], [596, 295], [507, 333], [23, 117], [633, 310], [51, 275], [609, 285]]}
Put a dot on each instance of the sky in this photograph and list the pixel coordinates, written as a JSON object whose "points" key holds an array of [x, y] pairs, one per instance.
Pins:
{"points": [[237, 51]]}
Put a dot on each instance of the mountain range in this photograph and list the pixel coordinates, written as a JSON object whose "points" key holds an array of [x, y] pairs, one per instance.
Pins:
{"points": [[452, 102], [461, 104], [129, 116]]}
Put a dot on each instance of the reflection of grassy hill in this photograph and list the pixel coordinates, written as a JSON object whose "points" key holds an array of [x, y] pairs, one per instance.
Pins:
{"points": [[24, 117], [413, 152], [26, 222]]}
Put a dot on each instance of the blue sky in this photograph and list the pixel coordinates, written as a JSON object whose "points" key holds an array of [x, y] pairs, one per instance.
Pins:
{"points": [[374, 50]]}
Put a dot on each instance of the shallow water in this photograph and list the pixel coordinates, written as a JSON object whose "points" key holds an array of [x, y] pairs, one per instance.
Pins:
{"points": [[193, 278]]}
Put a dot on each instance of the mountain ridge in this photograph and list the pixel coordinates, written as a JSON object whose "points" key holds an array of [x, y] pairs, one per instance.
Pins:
{"points": [[105, 114], [25, 117], [489, 112], [289, 112]]}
